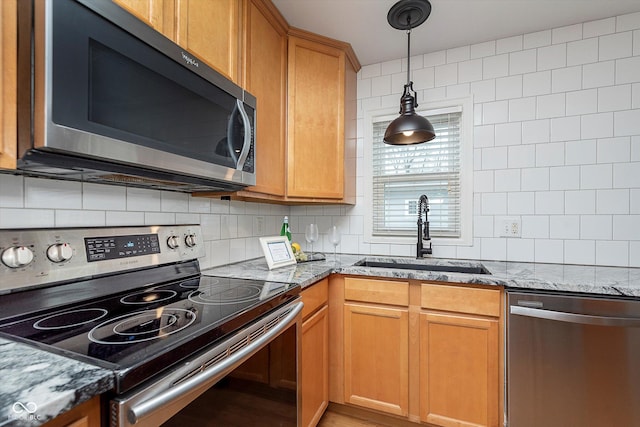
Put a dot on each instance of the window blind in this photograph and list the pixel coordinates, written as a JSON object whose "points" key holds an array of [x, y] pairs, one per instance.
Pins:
{"points": [[402, 173]]}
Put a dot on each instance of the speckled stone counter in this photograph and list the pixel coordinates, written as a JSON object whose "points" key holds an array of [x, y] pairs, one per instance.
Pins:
{"points": [[535, 276], [36, 386]]}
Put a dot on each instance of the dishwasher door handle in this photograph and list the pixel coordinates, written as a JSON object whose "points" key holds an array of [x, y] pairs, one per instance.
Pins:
{"points": [[585, 319]]}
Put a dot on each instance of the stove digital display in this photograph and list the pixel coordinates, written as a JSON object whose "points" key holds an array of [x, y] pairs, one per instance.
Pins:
{"points": [[115, 247]]}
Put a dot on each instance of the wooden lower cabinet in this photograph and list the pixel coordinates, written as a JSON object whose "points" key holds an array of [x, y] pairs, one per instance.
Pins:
{"points": [[376, 357], [86, 414], [459, 370]]}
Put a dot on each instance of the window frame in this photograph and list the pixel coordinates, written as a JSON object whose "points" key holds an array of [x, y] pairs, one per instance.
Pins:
{"points": [[466, 171]]}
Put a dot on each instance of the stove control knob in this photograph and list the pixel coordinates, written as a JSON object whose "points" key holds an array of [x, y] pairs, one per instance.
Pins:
{"points": [[60, 252], [17, 256], [173, 242], [190, 240]]}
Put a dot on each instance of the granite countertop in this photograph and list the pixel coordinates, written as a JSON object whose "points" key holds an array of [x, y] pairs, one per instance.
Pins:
{"points": [[36, 386], [615, 281]]}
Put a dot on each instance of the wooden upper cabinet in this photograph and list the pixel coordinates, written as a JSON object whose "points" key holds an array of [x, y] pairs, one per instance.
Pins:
{"points": [[8, 84], [158, 14], [317, 83], [211, 30], [265, 73]]}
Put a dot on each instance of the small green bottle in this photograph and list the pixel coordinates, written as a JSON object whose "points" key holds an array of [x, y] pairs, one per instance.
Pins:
{"points": [[284, 231]]}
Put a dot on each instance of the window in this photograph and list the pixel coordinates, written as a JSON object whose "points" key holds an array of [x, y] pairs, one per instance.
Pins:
{"points": [[400, 174]]}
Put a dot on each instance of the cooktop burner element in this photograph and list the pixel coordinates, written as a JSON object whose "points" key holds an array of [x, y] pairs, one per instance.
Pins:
{"points": [[70, 319], [139, 321]]}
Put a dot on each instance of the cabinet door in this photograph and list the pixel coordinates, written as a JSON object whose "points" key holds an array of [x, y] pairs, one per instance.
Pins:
{"points": [[211, 30], [8, 83], [86, 414], [376, 357], [459, 370], [265, 72], [315, 367], [158, 14], [316, 83]]}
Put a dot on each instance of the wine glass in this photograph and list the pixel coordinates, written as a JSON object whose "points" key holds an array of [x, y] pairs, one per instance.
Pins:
{"points": [[311, 235], [334, 238]]}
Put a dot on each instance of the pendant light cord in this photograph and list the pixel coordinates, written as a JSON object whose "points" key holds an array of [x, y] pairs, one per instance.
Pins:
{"points": [[408, 48]]}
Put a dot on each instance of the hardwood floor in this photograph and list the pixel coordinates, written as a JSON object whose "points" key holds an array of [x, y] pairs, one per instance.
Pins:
{"points": [[332, 419], [348, 416]]}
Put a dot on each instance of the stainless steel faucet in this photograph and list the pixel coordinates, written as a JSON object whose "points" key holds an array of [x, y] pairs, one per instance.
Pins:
{"points": [[423, 232]]}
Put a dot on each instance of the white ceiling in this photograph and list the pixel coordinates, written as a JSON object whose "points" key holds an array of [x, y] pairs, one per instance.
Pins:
{"points": [[453, 23]]}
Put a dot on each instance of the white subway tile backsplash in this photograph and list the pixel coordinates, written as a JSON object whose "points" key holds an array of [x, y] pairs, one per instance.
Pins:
{"points": [[626, 227], [596, 227], [634, 207], [564, 226], [550, 251], [597, 125], [469, 252], [582, 52], [381, 85], [484, 91], [155, 218], [493, 248], [536, 83], [566, 79], [627, 70], [581, 202], [598, 75], [187, 218], [635, 92], [551, 57], [104, 197], [612, 253], [52, 194], [390, 67], [364, 87], [434, 59], [484, 136], [551, 106], [535, 227], [565, 178], [508, 134], [614, 98], [549, 203], [636, 43], [171, 201], [458, 91], [480, 50], [630, 21], [483, 181], [494, 158], [565, 128], [522, 203], [79, 218], [483, 226], [566, 34], [525, 61], [507, 180], [495, 66], [615, 46], [523, 109], [599, 28], [509, 87], [614, 150], [495, 112], [521, 156], [579, 252], [26, 218], [582, 102], [11, 191], [596, 176], [627, 123], [368, 71], [582, 152], [509, 44], [535, 179], [122, 218], [634, 254], [458, 54], [422, 79], [550, 154], [494, 203], [536, 131], [612, 202], [626, 175], [470, 71], [237, 250], [141, 199], [520, 250], [538, 39], [635, 148]]}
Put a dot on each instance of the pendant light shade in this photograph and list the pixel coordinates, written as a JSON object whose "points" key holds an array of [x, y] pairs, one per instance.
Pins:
{"points": [[410, 127]]}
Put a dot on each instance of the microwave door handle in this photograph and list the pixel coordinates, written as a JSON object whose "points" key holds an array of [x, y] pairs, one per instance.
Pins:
{"points": [[246, 146], [230, 148]]}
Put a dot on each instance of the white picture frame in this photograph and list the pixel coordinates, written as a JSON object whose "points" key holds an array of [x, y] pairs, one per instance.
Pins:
{"points": [[277, 251]]}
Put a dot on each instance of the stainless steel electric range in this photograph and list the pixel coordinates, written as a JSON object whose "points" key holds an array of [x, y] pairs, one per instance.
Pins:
{"points": [[132, 300]]}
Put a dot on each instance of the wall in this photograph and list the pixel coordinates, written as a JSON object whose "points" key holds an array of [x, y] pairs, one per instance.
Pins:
{"points": [[230, 228], [556, 143]]}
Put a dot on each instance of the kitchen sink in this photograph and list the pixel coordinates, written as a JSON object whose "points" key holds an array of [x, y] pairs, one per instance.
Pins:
{"points": [[469, 269]]}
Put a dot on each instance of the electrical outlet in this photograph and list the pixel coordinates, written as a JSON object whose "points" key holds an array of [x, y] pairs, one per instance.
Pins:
{"points": [[511, 227]]}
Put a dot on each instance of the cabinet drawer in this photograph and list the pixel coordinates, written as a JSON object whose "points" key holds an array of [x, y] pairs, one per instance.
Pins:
{"points": [[314, 297], [376, 291], [461, 299]]}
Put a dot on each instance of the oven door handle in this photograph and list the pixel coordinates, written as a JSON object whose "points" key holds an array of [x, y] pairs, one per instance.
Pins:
{"points": [[211, 375], [585, 319]]}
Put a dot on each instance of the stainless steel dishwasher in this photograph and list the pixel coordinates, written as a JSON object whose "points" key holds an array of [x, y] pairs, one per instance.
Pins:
{"points": [[572, 361]]}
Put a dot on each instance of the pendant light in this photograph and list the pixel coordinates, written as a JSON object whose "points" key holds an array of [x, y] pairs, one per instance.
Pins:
{"points": [[410, 127]]}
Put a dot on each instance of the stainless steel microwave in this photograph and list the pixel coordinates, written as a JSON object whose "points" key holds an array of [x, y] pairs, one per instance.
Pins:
{"points": [[103, 97]]}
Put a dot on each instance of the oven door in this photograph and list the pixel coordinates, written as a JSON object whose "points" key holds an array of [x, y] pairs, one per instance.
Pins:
{"points": [[252, 376]]}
